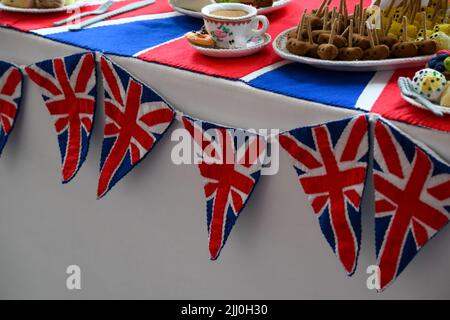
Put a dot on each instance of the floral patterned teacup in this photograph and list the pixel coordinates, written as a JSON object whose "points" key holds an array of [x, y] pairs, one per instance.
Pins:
{"points": [[233, 32]]}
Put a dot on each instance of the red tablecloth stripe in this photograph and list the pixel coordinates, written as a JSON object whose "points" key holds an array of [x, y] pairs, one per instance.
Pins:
{"points": [[391, 106], [26, 22], [179, 54]]}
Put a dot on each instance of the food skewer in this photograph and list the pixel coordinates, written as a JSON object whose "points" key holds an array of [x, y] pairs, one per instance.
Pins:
{"points": [[312, 51], [345, 13], [322, 5], [384, 37], [376, 51], [350, 53], [338, 40], [405, 48], [388, 10], [297, 45], [317, 33], [359, 39], [426, 46], [356, 17], [328, 51], [354, 37]]}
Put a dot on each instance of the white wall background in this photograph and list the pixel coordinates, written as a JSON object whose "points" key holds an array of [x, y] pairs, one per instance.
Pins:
{"points": [[148, 239]]}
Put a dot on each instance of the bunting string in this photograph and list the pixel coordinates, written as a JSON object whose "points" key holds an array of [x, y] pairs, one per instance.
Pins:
{"points": [[331, 160]]}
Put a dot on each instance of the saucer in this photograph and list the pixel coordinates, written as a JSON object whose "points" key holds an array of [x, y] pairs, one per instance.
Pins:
{"points": [[254, 45]]}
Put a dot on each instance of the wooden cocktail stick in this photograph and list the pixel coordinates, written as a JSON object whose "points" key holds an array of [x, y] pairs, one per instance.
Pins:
{"points": [[339, 19], [388, 10], [328, 51], [388, 26], [376, 51], [301, 26], [345, 12], [404, 25], [424, 25], [333, 33], [362, 23], [350, 53], [333, 15], [375, 36], [403, 12], [356, 17], [325, 19], [405, 48], [369, 33], [435, 15], [362, 12], [384, 38], [322, 5], [312, 50], [411, 13], [350, 34], [345, 31], [310, 36], [426, 46]]}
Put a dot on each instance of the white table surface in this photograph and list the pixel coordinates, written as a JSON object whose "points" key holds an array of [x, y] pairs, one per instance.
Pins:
{"points": [[148, 238]]}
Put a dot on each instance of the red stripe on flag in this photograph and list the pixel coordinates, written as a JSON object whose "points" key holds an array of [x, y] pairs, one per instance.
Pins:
{"points": [[26, 22], [388, 150], [358, 132], [391, 105], [12, 82]]}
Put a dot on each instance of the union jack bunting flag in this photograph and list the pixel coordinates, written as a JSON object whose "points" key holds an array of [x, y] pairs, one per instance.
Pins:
{"points": [[10, 96], [412, 199], [331, 163], [136, 118], [68, 86], [230, 162]]}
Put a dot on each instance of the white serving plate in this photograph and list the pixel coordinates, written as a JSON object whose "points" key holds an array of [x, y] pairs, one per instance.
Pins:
{"points": [[71, 7], [276, 6], [279, 45], [253, 47]]}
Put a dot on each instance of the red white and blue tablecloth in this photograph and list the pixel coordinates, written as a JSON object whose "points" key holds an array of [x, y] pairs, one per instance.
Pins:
{"points": [[155, 34]]}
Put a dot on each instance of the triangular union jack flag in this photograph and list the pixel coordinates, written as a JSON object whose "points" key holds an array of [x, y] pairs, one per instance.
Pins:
{"points": [[412, 199], [10, 96], [230, 161], [136, 119], [331, 163], [68, 86]]}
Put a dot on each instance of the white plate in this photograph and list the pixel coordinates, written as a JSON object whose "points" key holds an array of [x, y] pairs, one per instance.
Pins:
{"points": [[276, 6], [279, 45], [254, 45], [77, 4]]}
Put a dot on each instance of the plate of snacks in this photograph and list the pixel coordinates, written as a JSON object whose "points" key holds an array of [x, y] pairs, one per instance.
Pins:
{"points": [[40, 6], [205, 44], [370, 39], [429, 89], [193, 8]]}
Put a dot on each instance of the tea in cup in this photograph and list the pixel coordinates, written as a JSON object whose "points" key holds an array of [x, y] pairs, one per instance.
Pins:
{"points": [[232, 25]]}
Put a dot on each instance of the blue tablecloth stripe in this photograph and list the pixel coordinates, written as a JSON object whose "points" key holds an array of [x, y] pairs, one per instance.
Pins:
{"points": [[340, 89]]}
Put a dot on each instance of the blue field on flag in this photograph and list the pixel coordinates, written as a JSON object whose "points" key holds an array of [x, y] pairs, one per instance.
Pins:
{"points": [[335, 88], [129, 38]]}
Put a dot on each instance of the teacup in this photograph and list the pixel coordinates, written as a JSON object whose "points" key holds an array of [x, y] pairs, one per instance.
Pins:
{"points": [[232, 25]]}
